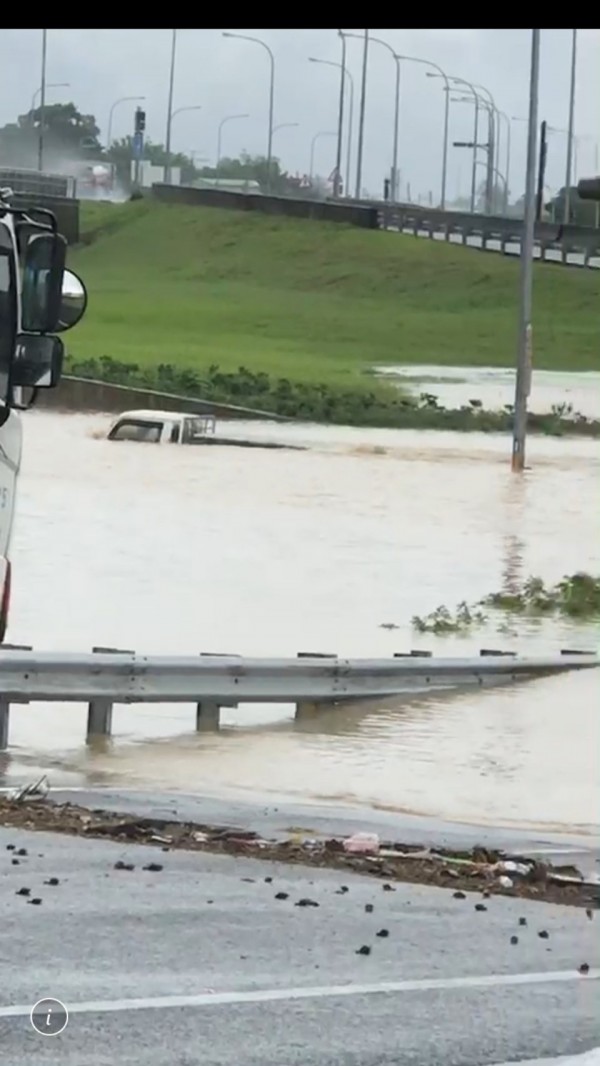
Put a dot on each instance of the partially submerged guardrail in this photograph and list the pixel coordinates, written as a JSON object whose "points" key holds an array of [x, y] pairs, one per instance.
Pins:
{"points": [[109, 676]]}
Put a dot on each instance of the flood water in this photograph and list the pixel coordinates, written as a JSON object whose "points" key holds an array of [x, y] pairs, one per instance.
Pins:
{"points": [[181, 550]]}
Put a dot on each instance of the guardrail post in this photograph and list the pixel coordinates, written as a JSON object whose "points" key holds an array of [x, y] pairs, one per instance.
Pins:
{"points": [[208, 716], [307, 708], [4, 703], [99, 722]]}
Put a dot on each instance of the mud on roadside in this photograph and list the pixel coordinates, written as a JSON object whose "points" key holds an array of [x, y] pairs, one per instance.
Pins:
{"points": [[480, 869]]}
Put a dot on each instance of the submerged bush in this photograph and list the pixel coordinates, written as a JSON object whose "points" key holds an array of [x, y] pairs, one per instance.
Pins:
{"points": [[575, 596], [384, 406]]}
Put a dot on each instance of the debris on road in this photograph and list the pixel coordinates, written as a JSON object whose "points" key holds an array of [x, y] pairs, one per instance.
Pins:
{"points": [[361, 844], [487, 871], [364, 950]]}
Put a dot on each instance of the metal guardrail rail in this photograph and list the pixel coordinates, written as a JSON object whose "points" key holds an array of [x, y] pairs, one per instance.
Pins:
{"points": [[108, 676], [549, 236]]}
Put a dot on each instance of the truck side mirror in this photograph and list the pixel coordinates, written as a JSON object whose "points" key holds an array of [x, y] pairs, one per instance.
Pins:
{"points": [[41, 294], [38, 361], [73, 302]]}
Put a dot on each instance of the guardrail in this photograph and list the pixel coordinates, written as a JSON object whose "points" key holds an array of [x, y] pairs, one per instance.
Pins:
{"points": [[549, 236], [211, 681]]}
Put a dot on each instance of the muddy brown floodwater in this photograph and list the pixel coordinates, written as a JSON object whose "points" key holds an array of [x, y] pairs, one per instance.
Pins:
{"points": [[177, 550]]}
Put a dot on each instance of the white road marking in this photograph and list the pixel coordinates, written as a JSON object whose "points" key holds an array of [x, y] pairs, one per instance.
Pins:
{"points": [[271, 995]]}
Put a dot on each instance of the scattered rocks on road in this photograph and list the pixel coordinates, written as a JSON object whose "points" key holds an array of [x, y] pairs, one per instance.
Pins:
{"points": [[383, 933], [35, 901], [514, 940], [544, 934], [584, 968], [153, 867], [305, 902], [364, 950], [459, 895], [120, 865], [282, 895], [23, 892], [369, 908], [522, 921], [480, 907], [52, 881]]}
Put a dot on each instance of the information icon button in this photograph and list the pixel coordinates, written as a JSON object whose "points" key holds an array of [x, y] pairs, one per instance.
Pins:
{"points": [[49, 1017]]}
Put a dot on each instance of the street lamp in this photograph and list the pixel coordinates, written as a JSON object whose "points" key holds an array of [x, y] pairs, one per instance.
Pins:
{"points": [[50, 85], [322, 133], [396, 58], [440, 74], [257, 40], [491, 167], [488, 106], [121, 100], [361, 116], [167, 168], [330, 63], [178, 111], [285, 126], [228, 118]]}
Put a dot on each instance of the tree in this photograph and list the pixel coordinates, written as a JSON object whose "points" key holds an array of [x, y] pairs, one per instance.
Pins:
{"points": [[121, 154], [255, 168], [67, 134]]}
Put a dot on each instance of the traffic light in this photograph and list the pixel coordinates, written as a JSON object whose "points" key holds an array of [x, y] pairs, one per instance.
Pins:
{"points": [[140, 120], [589, 189]]}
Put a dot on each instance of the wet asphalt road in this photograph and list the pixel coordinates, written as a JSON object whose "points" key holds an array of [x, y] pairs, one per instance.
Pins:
{"points": [[104, 937]]}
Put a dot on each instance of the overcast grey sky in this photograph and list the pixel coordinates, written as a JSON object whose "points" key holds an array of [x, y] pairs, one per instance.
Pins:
{"points": [[229, 76]]}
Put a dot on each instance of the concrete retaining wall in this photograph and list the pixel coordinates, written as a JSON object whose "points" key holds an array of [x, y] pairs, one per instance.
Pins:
{"points": [[81, 394], [318, 210]]}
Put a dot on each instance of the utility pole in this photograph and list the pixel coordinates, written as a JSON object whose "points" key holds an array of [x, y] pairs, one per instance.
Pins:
{"points": [[361, 120], [524, 346]]}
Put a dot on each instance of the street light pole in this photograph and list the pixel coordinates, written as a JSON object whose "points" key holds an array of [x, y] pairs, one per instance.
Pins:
{"points": [[440, 74], [42, 103], [322, 133], [257, 40], [178, 111], [524, 349], [49, 85], [228, 118], [396, 58], [330, 63], [167, 167], [121, 100], [361, 121], [340, 130], [477, 100], [567, 206]]}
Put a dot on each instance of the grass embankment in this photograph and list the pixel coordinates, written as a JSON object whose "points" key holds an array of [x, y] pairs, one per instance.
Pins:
{"points": [[309, 304]]}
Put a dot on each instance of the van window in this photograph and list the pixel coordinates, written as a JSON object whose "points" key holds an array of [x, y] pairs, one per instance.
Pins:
{"points": [[129, 429], [174, 437]]}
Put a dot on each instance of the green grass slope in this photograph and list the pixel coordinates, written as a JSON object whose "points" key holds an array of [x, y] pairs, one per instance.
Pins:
{"points": [[311, 301]]}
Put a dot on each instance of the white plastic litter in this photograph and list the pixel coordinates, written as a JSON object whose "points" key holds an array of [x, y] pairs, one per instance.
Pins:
{"points": [[362, 843], [505, 881]]}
